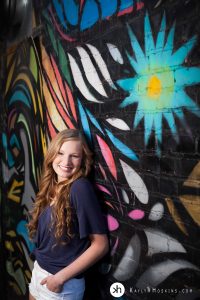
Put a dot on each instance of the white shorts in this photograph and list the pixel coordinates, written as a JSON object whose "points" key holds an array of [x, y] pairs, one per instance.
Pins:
{"points": [[73, 289]]}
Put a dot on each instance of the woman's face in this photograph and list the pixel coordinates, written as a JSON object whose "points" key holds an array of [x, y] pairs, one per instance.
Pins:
{"points": [[68, 160]]}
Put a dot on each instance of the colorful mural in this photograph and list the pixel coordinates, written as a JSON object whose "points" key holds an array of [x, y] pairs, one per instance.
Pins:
{"points": [[140, 205], [24, 143], [123, 73], [71, 15]]}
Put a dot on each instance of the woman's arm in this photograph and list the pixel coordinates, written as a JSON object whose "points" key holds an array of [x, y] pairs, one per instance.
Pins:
{"points": [[97, 249]]}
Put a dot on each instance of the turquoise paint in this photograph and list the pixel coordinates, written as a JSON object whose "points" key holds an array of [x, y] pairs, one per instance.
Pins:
{"points": [[22, 230], [159, 61], [19, 96], [7, 152], [84, 121], [94, 121], [122, 147], [14, 141]]}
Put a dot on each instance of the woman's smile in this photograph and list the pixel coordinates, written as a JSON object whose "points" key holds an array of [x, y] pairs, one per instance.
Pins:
{"points": [[65, 168]]}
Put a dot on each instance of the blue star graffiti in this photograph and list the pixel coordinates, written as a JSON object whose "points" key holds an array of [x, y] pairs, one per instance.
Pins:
{"points": [[158, 87]]}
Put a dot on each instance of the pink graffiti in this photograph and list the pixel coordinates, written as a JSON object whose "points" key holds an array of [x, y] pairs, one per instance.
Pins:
{"points": [[136, 214], [107, 154], [112, 223]]}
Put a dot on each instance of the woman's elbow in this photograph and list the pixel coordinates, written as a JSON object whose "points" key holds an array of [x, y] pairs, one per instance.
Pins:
{"points": [[105, 246], [100, 243]]}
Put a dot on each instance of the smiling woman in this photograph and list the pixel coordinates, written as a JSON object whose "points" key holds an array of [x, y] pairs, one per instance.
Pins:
{"points": [[67, 225]]}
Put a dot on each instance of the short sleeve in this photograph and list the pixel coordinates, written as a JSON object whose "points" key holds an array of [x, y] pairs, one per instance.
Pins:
{"points": [[87, 208]]}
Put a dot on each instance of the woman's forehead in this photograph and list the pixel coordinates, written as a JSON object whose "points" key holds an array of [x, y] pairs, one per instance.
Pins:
{"points": [[71, 145]]}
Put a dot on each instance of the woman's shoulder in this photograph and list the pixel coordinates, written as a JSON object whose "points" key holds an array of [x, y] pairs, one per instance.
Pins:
{"points": [[80, 183], [82, 189]]}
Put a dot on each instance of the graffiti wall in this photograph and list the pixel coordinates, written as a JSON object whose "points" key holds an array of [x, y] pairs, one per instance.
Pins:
{"points": [[127, 74], [24, 143]]}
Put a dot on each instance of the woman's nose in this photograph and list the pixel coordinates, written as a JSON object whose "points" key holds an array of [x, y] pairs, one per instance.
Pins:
{"points": [[67, 160]]}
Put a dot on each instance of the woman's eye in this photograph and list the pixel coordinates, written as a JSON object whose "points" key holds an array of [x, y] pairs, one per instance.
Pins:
{"points": [[60, 153]]}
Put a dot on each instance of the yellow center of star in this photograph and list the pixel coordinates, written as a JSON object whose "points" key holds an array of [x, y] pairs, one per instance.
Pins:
{"points": [[154, 87]]}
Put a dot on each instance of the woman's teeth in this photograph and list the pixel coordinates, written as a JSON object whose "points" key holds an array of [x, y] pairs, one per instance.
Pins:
{"points": [[65, 168]]}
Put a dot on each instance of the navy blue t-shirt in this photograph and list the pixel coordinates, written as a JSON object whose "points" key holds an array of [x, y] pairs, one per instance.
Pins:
{"points": [[87, 219]]}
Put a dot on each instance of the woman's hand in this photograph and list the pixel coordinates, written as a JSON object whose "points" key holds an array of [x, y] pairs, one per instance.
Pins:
{"points": [[53, 283]]}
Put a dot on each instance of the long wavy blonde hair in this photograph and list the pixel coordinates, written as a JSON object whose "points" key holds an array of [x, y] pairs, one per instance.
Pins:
{"points": [[50, 190]]}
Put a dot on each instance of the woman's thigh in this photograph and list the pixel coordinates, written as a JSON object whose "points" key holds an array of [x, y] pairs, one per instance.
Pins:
{"points": [[31, 297], [73, 289]]}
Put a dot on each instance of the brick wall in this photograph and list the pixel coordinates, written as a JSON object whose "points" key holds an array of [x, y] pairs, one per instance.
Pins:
{"points": [[127, 74]]}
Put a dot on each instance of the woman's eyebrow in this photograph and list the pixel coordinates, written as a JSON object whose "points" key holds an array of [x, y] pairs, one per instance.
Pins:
{"points": [[77, 153]]}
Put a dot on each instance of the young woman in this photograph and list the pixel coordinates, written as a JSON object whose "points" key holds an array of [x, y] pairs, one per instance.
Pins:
{"points": [[67, 225]]}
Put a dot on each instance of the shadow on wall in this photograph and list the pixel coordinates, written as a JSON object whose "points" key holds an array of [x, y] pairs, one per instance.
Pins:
{"points": [[15, 20]]}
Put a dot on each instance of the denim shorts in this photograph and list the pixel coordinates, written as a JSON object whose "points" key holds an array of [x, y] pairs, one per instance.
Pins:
{"points": [[73, 289]]}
